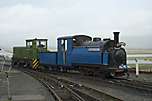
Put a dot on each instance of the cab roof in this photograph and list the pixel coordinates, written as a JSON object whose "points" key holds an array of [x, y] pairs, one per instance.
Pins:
{"points": [[76, 37], [37, 39]]}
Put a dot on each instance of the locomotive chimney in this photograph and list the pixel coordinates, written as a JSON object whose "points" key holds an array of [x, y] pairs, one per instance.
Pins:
{"points": [[116, 37]]}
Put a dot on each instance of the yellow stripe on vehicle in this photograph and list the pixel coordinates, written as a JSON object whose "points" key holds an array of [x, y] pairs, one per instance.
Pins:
{"points": [[34, 61], [35, 65]]}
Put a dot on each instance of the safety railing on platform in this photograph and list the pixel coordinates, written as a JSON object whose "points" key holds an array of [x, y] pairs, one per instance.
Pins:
{"points": [[5, 68]]}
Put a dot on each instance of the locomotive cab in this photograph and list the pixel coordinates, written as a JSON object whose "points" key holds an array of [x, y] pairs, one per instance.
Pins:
{"points": [[40, 44]]}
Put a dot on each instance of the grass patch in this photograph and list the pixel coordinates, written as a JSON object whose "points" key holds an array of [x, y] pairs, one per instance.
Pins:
{"points": [[141, 65], [139, 51]]}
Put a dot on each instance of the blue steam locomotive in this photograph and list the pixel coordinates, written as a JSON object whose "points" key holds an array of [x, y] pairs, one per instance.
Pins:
{"points": [[86, 55]]}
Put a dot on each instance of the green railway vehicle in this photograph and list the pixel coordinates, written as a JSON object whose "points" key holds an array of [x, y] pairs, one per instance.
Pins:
{"points": [[28, 56]]}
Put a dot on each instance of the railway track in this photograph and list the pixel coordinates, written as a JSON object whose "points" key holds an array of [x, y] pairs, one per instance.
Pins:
{"points": [[90, 93], [64, 90], [60, 91], [139, 85]]}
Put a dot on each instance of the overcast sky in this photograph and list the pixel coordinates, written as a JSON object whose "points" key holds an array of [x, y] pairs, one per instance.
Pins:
{"points": [[22, 19]]}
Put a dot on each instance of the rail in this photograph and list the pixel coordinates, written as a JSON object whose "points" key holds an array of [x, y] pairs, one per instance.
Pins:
{"points": [[58, 88], [73, 91], [139, 85]]}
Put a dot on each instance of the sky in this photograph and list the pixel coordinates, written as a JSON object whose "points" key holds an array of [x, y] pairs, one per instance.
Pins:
{"points": [[23, 19]]}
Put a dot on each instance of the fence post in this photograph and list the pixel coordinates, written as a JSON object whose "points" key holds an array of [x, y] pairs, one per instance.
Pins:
{"points": [[137, 67]]}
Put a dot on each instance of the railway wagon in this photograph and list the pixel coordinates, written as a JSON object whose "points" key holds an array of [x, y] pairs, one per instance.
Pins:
{"points": [[28, 56], [87, 55]]}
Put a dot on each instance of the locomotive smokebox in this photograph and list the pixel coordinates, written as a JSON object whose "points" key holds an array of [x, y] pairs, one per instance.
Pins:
{"points": [[116, 37]]}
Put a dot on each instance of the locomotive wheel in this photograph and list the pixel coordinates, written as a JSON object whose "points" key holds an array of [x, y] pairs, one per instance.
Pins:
{"points": [[26, 64], [109, 74], [14, 64], [112, 74], [127, 75]]}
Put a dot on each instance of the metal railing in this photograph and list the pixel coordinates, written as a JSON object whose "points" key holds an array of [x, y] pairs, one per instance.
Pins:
{"points": [[5, 68]]}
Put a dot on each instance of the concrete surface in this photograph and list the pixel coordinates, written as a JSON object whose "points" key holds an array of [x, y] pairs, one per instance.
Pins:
{"points": [[22, 88], [142, 77]]}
